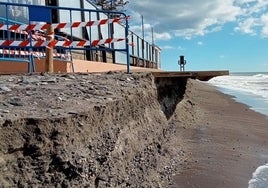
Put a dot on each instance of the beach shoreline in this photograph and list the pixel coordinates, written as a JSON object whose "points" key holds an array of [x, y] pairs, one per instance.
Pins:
{"points": [[125, 130], [228, 141]]}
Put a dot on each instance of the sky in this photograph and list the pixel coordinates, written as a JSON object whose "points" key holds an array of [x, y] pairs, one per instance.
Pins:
{"points": [[211, 34]]}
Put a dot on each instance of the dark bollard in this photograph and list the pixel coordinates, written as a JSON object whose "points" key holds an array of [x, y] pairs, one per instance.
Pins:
{"points": [[182, 62]]}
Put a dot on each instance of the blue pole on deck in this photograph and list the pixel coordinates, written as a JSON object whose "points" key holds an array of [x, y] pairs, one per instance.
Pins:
{"points": [[127, 46]]}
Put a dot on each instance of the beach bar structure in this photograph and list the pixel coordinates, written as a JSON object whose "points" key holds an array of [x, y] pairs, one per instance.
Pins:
{"points": [[129, 48]]}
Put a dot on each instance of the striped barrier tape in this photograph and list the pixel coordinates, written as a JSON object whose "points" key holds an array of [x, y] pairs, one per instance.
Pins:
{"points": [[28, 27], [41, 43], [36, 54], [36, 35]]}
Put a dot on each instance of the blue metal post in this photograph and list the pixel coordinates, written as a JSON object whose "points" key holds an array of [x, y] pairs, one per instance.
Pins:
{"points": [[7, 23], [31, 65], [127, 46], [71, 21]]}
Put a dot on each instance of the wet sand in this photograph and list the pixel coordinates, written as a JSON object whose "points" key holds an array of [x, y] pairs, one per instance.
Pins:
{"points": [[227, 144]]}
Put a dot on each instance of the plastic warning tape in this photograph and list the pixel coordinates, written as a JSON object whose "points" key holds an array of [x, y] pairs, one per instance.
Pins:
{"points": [[28, 27], [35, 36], [25, 53], [51, 44]]}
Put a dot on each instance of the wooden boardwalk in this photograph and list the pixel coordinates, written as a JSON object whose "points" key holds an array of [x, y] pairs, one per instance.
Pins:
{"points": [[200, 75]]}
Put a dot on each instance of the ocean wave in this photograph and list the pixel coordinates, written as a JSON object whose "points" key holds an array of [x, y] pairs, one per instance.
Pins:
{"points": [[259, 178], [254, 84], [260, 75]]}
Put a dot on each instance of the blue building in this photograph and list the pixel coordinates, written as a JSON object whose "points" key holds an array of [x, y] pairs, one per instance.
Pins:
{"points": [[142, 53]]}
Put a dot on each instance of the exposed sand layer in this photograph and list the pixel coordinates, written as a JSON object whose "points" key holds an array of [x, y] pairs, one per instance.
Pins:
{"points": [[90, 130], [125, 130]]}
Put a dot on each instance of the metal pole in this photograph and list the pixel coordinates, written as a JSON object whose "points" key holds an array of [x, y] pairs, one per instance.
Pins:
{"points": [[152, 36], [127, 46], [142, 27], [153, 60]]}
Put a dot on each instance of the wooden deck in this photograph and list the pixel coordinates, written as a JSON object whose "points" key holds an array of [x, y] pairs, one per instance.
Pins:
{"points": [[200, 75]]}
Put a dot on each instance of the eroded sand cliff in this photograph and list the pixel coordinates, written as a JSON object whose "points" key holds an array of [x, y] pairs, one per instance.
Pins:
{"points": [[92, 130]]}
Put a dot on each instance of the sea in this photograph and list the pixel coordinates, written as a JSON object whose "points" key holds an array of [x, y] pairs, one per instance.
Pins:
{"points": [[250, 88]]}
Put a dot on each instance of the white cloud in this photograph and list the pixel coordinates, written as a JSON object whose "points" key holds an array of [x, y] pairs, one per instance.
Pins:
{"points": [[200, 43], [264, 21], [181, 48], [135, 29], [162, 36], [190, 18], [251, 7], [247, 26], [167, 47], [264, 65], [243, 1]]}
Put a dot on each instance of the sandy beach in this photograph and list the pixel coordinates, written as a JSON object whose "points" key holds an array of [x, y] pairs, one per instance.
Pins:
{"points": [[125, 130], [227, 143]]}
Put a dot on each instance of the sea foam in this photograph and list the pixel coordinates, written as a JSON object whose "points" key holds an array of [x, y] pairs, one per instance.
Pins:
{"points": [[248, 88], [252, 84], [259, 178]]}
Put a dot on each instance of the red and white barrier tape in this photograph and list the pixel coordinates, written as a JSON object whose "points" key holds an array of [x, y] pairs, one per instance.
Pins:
{"points": [[28, 27], [27, 43], [36, 54], [35, 36]]}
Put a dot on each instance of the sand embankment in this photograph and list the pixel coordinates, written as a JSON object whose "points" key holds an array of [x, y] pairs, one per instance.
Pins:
{"points": [[124, 130], [90, 130]]}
